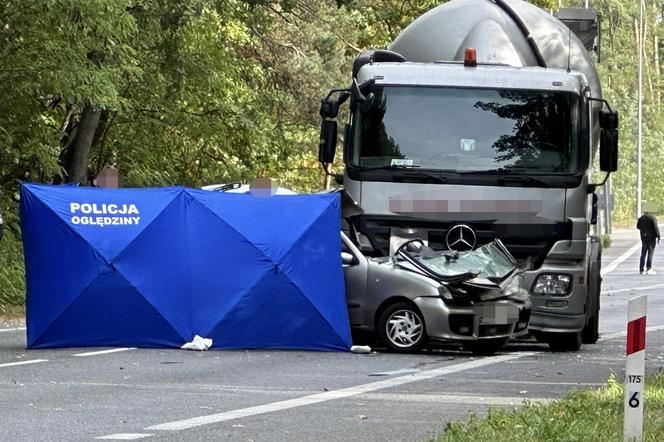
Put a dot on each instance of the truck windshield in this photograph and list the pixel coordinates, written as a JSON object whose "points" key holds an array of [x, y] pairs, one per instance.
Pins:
{"points": [[468, 130]]}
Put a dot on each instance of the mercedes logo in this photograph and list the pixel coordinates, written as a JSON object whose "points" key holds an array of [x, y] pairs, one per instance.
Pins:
{"points": [[460, 238]]}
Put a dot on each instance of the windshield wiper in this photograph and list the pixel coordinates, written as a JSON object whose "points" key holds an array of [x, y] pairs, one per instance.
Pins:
{"points": [[436, 178], [411, 170], [384, 167], [480, 172], [506, 176], [227, 187], [524, 179]]}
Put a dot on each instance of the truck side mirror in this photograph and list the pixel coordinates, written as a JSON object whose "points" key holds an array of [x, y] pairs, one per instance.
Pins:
{"points": [[608, 119], [608, 143], [608, 150], [328, 141]]}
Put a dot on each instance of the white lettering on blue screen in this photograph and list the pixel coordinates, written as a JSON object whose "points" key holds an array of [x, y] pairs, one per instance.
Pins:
{"points": [[87, 214]]}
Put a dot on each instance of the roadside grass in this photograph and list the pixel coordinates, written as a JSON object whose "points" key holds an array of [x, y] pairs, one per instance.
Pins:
{"points": [[12, 282], [605, 241], [585, 415], [11, 312]]}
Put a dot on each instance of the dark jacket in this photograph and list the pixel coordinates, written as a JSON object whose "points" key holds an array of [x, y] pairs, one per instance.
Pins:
{"points": [[647, 225]]}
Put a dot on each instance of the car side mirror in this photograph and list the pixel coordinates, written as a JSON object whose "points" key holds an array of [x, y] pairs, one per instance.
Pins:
{"points": [[348, 259], [328, 141]]}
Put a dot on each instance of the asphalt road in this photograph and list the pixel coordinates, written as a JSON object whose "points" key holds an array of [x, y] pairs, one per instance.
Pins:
{"points": [[132, 394]]}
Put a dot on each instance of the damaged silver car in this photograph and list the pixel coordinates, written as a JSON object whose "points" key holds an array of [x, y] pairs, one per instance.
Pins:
{"points": [[420, 295]]}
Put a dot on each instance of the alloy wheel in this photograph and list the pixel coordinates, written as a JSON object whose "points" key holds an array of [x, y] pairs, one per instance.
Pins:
{"points": [[404, 328]]}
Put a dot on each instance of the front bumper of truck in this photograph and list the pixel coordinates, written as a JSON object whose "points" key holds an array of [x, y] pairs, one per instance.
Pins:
{"points": [[561, 313]]}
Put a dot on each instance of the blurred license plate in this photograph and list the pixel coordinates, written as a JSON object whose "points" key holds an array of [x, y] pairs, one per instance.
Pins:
{"points": [[496, 313]]}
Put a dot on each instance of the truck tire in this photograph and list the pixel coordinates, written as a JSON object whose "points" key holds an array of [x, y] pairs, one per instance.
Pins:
{"points": [[590, 333], [401, 328], [563, 341]]}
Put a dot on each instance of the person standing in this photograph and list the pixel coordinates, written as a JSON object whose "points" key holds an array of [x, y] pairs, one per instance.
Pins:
{"points": [[647, 225]]}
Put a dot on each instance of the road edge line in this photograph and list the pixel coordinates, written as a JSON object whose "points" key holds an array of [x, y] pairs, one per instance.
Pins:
{"points": [[342, 393], [619, 260], [31, 361], [15, 329], [102, 352]]}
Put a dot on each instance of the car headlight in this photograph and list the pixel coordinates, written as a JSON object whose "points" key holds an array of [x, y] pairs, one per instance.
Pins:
{"points": [[515, 289], [445, 293], [553, 284]]}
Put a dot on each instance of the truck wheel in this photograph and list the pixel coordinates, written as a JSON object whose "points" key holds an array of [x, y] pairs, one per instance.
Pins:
{"points": [[401, 328], [485, 347], [563, 341], [590, 333]]}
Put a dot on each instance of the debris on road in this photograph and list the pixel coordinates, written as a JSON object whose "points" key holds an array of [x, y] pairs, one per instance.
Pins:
{"points": [[360, 349], [200, 344]]}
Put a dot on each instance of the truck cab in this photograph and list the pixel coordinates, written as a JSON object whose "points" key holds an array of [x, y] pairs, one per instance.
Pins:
{"points": [[501, 150]]}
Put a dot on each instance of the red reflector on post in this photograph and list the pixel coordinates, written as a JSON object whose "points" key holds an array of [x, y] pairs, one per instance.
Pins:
{"points": [[470, 57], [636, 335]]}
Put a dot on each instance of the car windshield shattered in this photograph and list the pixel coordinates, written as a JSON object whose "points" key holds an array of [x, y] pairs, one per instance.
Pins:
{"points": [[491, 261]]}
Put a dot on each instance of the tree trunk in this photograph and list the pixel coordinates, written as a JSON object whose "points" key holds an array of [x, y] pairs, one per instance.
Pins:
{"points": [[77, 169]]}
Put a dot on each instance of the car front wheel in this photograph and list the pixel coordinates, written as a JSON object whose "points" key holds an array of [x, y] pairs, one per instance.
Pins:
{"points": [[401, 328]]}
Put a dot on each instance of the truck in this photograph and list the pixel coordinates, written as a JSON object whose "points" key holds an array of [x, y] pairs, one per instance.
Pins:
{"points": [[481, 120]]}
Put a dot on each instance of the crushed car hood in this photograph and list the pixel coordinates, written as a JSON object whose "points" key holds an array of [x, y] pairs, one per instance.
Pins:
{"points": [[483, 273]]}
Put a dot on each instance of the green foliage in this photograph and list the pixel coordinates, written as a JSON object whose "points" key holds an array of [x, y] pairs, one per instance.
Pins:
{"points": [[619, 73], [192, 92], [12, 284], [589, 415], [606, 241]]}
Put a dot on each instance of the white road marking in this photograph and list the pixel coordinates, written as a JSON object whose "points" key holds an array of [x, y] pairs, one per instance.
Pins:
{"points": [[31, 361], [635, 289], [199, 389], [393, 372], [335, 394], [575, 384], [15, 329], [610, 336], [125, 436], [103, 352], [36, 361], [455, 398], [619, 260]]}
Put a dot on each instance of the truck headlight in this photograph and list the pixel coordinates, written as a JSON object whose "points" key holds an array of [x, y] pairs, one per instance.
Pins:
{"points": [[515, 289], [553, 284]]}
